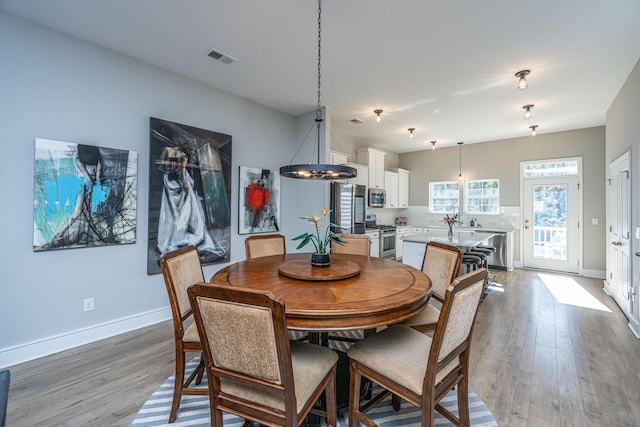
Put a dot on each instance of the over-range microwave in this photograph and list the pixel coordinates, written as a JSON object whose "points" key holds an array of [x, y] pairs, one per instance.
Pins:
{"points": [[376, 197]]}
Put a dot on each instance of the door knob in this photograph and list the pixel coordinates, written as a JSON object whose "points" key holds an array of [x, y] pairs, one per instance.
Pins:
{"points": [[526, 226], [637, 253]]}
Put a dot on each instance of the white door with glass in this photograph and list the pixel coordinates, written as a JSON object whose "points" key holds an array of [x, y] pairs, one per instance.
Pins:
{"points": [[551, 215], [620, 232]]}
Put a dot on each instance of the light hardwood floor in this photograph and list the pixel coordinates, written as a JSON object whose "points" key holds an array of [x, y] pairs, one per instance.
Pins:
{"points": [[535, 361]]}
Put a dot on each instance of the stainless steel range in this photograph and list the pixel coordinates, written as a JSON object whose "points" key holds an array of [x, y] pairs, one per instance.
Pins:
{"points": [[387, 236]]}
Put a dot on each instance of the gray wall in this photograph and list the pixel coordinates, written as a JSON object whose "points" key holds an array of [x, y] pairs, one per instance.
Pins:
{"points": [[623, 134], [60, 88], [501, 159]]}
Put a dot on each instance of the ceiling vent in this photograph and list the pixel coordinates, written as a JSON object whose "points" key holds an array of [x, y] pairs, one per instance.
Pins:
{"points": [[221, 56], [356, 121]]}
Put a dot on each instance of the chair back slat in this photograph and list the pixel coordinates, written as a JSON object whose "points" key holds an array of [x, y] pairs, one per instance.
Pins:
{"points": [[181, 269], [241, 338], [357, 244], [265, 245], [457, 317], [442, 264]]}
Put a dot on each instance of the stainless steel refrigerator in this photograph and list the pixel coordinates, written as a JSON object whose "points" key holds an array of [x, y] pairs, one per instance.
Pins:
{"points": [[348, 207]]}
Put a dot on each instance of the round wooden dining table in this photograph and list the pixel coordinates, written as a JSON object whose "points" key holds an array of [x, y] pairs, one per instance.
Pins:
{"points": [[355, 292]]}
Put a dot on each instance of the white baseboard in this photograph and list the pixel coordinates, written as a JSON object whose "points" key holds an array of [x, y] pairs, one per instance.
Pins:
{"points": [[32, 350], [635, 327], [598, 274]]}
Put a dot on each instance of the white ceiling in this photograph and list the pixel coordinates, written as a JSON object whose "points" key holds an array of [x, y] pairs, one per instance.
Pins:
{"points": [[445, 68]]}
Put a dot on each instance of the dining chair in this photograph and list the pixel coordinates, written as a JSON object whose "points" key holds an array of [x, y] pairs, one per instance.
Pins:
{"points": [[253, 370], [356, 244], [417, 368], [265, 245], [5, 380], [181, 268], [441, 263]]}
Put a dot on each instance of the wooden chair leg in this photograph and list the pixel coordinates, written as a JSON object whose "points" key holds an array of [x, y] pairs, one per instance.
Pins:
{"points": [[330, 399], [396, 401], [177, 387], [354, 394]]}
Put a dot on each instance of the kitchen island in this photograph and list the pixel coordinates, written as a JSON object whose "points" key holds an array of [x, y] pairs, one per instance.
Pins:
{"points": [[414, 245]]}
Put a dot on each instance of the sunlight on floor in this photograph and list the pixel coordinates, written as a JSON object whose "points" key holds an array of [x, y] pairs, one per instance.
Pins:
{"points": [[567, 291]]}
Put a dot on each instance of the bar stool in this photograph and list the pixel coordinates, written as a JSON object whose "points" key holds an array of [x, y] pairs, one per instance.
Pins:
{"points": [[489, 250], [472, 262]]}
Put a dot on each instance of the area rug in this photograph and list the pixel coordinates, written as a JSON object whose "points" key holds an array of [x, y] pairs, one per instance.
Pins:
{"points": [[194, 410]]}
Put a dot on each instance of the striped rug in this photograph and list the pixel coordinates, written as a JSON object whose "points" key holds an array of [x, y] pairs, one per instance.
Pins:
{"points": [[194, 410]]}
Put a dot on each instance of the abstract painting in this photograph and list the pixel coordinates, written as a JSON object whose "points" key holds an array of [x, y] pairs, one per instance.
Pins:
{"points": [[84, 195], [189, 192], [259, 210]]}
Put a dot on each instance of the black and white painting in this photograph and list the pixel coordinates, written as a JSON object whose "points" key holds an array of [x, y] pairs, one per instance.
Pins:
{"points": [[189, 192]]}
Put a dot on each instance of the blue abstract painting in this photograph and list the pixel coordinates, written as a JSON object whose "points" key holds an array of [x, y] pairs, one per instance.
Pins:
{"points": [[84, 195]]}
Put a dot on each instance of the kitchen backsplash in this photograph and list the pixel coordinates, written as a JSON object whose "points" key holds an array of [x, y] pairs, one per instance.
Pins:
{"points": [[508, 218]]}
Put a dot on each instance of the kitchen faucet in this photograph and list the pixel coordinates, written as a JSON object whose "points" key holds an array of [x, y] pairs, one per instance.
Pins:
{"points": [[458, 220]]}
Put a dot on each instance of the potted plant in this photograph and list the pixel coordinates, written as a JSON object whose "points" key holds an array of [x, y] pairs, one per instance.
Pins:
{"points": [[321, 239]]}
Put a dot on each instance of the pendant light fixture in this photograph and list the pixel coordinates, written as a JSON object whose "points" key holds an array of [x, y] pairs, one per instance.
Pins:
{"points": [[378, 115], [527, 111], [460, 162], [318, 170], [433, 145], [411, 132], [522, 82], [533, 128]]}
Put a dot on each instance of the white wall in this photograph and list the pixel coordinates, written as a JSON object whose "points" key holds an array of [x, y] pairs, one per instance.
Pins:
{"points": [[60, 88]]}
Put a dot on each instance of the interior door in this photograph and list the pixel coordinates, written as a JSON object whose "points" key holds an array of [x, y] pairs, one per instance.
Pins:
{"points": [[619, 232], [551, 224]]}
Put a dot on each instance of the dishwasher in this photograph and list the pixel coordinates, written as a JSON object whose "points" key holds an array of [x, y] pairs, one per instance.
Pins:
{"points": [[497, 259]]}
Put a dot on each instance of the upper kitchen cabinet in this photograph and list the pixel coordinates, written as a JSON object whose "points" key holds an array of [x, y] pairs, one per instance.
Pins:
{"points": [[396, 185], [391, 188], [374, 159], [338, 158], [363, 174], [403, 188]]}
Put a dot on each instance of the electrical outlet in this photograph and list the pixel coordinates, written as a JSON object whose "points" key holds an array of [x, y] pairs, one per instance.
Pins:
{"points": [[88, 304]]}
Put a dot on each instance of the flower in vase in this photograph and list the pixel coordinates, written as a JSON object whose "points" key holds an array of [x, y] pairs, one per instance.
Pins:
{"points": [[323, 235]]}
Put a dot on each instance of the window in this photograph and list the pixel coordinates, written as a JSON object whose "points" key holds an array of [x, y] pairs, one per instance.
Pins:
{"points": [[482, 196], [444, 196], [551, 168]]}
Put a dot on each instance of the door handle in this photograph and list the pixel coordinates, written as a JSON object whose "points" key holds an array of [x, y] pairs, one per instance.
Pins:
{"points": [[637, 253], [526, 226]]}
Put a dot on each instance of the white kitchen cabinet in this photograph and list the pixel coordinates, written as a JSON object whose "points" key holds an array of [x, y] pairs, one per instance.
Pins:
{"points": [[374, 235], [419, 230], [338, 158], [363, 174], [374, 159], [391, 188], [403, 188], [401, 232]]}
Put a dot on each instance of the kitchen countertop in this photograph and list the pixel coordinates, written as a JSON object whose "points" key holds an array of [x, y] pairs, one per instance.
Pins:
{"points": [[488, 229], [463, 239]]}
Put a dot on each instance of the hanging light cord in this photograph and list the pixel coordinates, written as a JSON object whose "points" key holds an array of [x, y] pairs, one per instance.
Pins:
{"points": [[319, 108]]}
